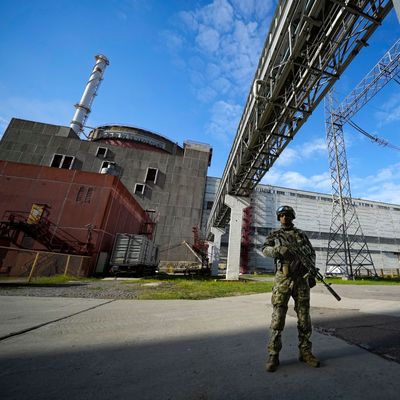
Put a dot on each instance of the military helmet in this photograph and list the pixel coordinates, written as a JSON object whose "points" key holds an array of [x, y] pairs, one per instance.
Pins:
{"points": [[285, 210]]}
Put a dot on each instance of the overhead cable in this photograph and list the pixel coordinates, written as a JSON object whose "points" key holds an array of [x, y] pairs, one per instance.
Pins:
{"points": [[375, 139]]}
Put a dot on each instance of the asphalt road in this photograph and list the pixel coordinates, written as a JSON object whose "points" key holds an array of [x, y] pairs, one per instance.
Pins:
{"points": [[63, 348]]}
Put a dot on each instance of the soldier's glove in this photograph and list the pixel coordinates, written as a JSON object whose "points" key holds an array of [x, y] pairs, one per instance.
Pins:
{"points": [[311, 281], [283, 251]]}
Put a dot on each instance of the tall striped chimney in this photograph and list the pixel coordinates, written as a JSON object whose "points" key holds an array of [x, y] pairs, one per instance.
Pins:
{"points": [[83, 107]]}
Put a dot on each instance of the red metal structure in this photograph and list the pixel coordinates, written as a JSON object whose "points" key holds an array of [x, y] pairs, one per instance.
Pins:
{"points": [[200, 246], [15, 225], [85, 210], [244, 253]]}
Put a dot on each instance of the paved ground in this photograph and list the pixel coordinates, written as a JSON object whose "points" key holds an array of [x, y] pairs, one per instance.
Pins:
{"points": [[97, 289], [367, 321], [211, 349]]}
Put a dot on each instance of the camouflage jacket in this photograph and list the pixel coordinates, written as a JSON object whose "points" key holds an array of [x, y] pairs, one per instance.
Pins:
{"points": [[299, 251]]}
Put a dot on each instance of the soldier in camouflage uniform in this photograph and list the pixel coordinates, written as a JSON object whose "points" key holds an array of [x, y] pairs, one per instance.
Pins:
{"points": [[290, 280]]}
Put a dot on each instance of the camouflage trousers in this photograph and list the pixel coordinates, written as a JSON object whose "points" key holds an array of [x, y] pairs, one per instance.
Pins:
{"points": [[284, 287]]}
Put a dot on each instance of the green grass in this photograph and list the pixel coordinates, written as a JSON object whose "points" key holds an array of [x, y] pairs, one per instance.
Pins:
{"points": [[271, 275], [364, 281], [181, 288]]}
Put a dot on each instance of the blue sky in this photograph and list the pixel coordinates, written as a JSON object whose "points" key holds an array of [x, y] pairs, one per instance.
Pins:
{"points": [[183, 69]]}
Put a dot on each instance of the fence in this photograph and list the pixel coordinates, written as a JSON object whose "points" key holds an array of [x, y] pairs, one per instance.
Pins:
{"points": [[389, 273], [29, 264]]}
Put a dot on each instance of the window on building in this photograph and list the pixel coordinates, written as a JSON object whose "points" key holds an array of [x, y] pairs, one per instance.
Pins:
{"points": [[306, 196], [79, 195], [151, 175], [84, 194], [107, 165], [139, 188], [209, 205], [62, 161], [89, 194], [102, 152]]}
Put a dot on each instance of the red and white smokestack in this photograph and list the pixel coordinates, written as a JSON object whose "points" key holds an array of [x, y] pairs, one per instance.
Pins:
{"points": [[83, 107]]}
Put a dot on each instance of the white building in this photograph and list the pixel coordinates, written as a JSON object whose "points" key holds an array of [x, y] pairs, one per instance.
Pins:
{"points": [[380, 223]]}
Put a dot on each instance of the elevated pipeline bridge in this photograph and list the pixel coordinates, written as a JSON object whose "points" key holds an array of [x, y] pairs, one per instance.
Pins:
{"points": [[309, 45]]}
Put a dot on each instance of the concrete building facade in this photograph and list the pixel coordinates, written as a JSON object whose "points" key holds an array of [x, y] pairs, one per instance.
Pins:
{"points": [[161, 175], [380, 223]]}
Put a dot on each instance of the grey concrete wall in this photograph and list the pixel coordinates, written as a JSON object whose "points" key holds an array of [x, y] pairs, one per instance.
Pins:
{"points": [[177, 194]]}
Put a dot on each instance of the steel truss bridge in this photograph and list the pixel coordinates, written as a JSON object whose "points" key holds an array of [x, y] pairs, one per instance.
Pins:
{"points": [[309, 44]]}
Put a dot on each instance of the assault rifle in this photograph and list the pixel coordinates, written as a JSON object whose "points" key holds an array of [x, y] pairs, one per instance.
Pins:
{"points": [[306, 258]]}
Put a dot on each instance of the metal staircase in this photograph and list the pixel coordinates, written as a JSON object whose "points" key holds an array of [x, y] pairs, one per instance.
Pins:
{"points": [[14, 227]]}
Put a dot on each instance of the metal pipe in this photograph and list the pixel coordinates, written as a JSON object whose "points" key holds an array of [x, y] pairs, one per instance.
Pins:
{"points": [[83, 108]]}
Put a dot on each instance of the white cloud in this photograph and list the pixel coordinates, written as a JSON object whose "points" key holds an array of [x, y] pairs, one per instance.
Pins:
{"points": [[224, 121], [207, 39], [303, 152], [218, 14], [287, 157], [390, 111], [388, 192], [253, 7], [189, 19], [293, 179], [53, 111], [206, 94], [219, 44], [389, 173], [310, 149], [383, 186], [172, 40], [227, 35]]}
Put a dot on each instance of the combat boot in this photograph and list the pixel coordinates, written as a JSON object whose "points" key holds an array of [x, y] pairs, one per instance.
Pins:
{"points": [[309, 359], [272, 363]]}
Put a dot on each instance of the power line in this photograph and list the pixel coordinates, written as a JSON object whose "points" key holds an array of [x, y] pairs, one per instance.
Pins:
{"points": [[374, 138]]}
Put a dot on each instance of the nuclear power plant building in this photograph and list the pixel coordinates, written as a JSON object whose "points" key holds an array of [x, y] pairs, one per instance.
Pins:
{"points": [[166, 179]]}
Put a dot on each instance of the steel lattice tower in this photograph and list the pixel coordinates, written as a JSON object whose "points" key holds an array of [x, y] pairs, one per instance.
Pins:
{"points": [[347, 248]]}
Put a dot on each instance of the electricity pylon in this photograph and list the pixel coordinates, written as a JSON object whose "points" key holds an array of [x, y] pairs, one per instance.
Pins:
{"points": [[347, 248]]}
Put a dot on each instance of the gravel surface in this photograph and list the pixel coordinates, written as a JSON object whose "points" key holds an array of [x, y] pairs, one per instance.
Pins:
{"points": [[105, 289]]}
